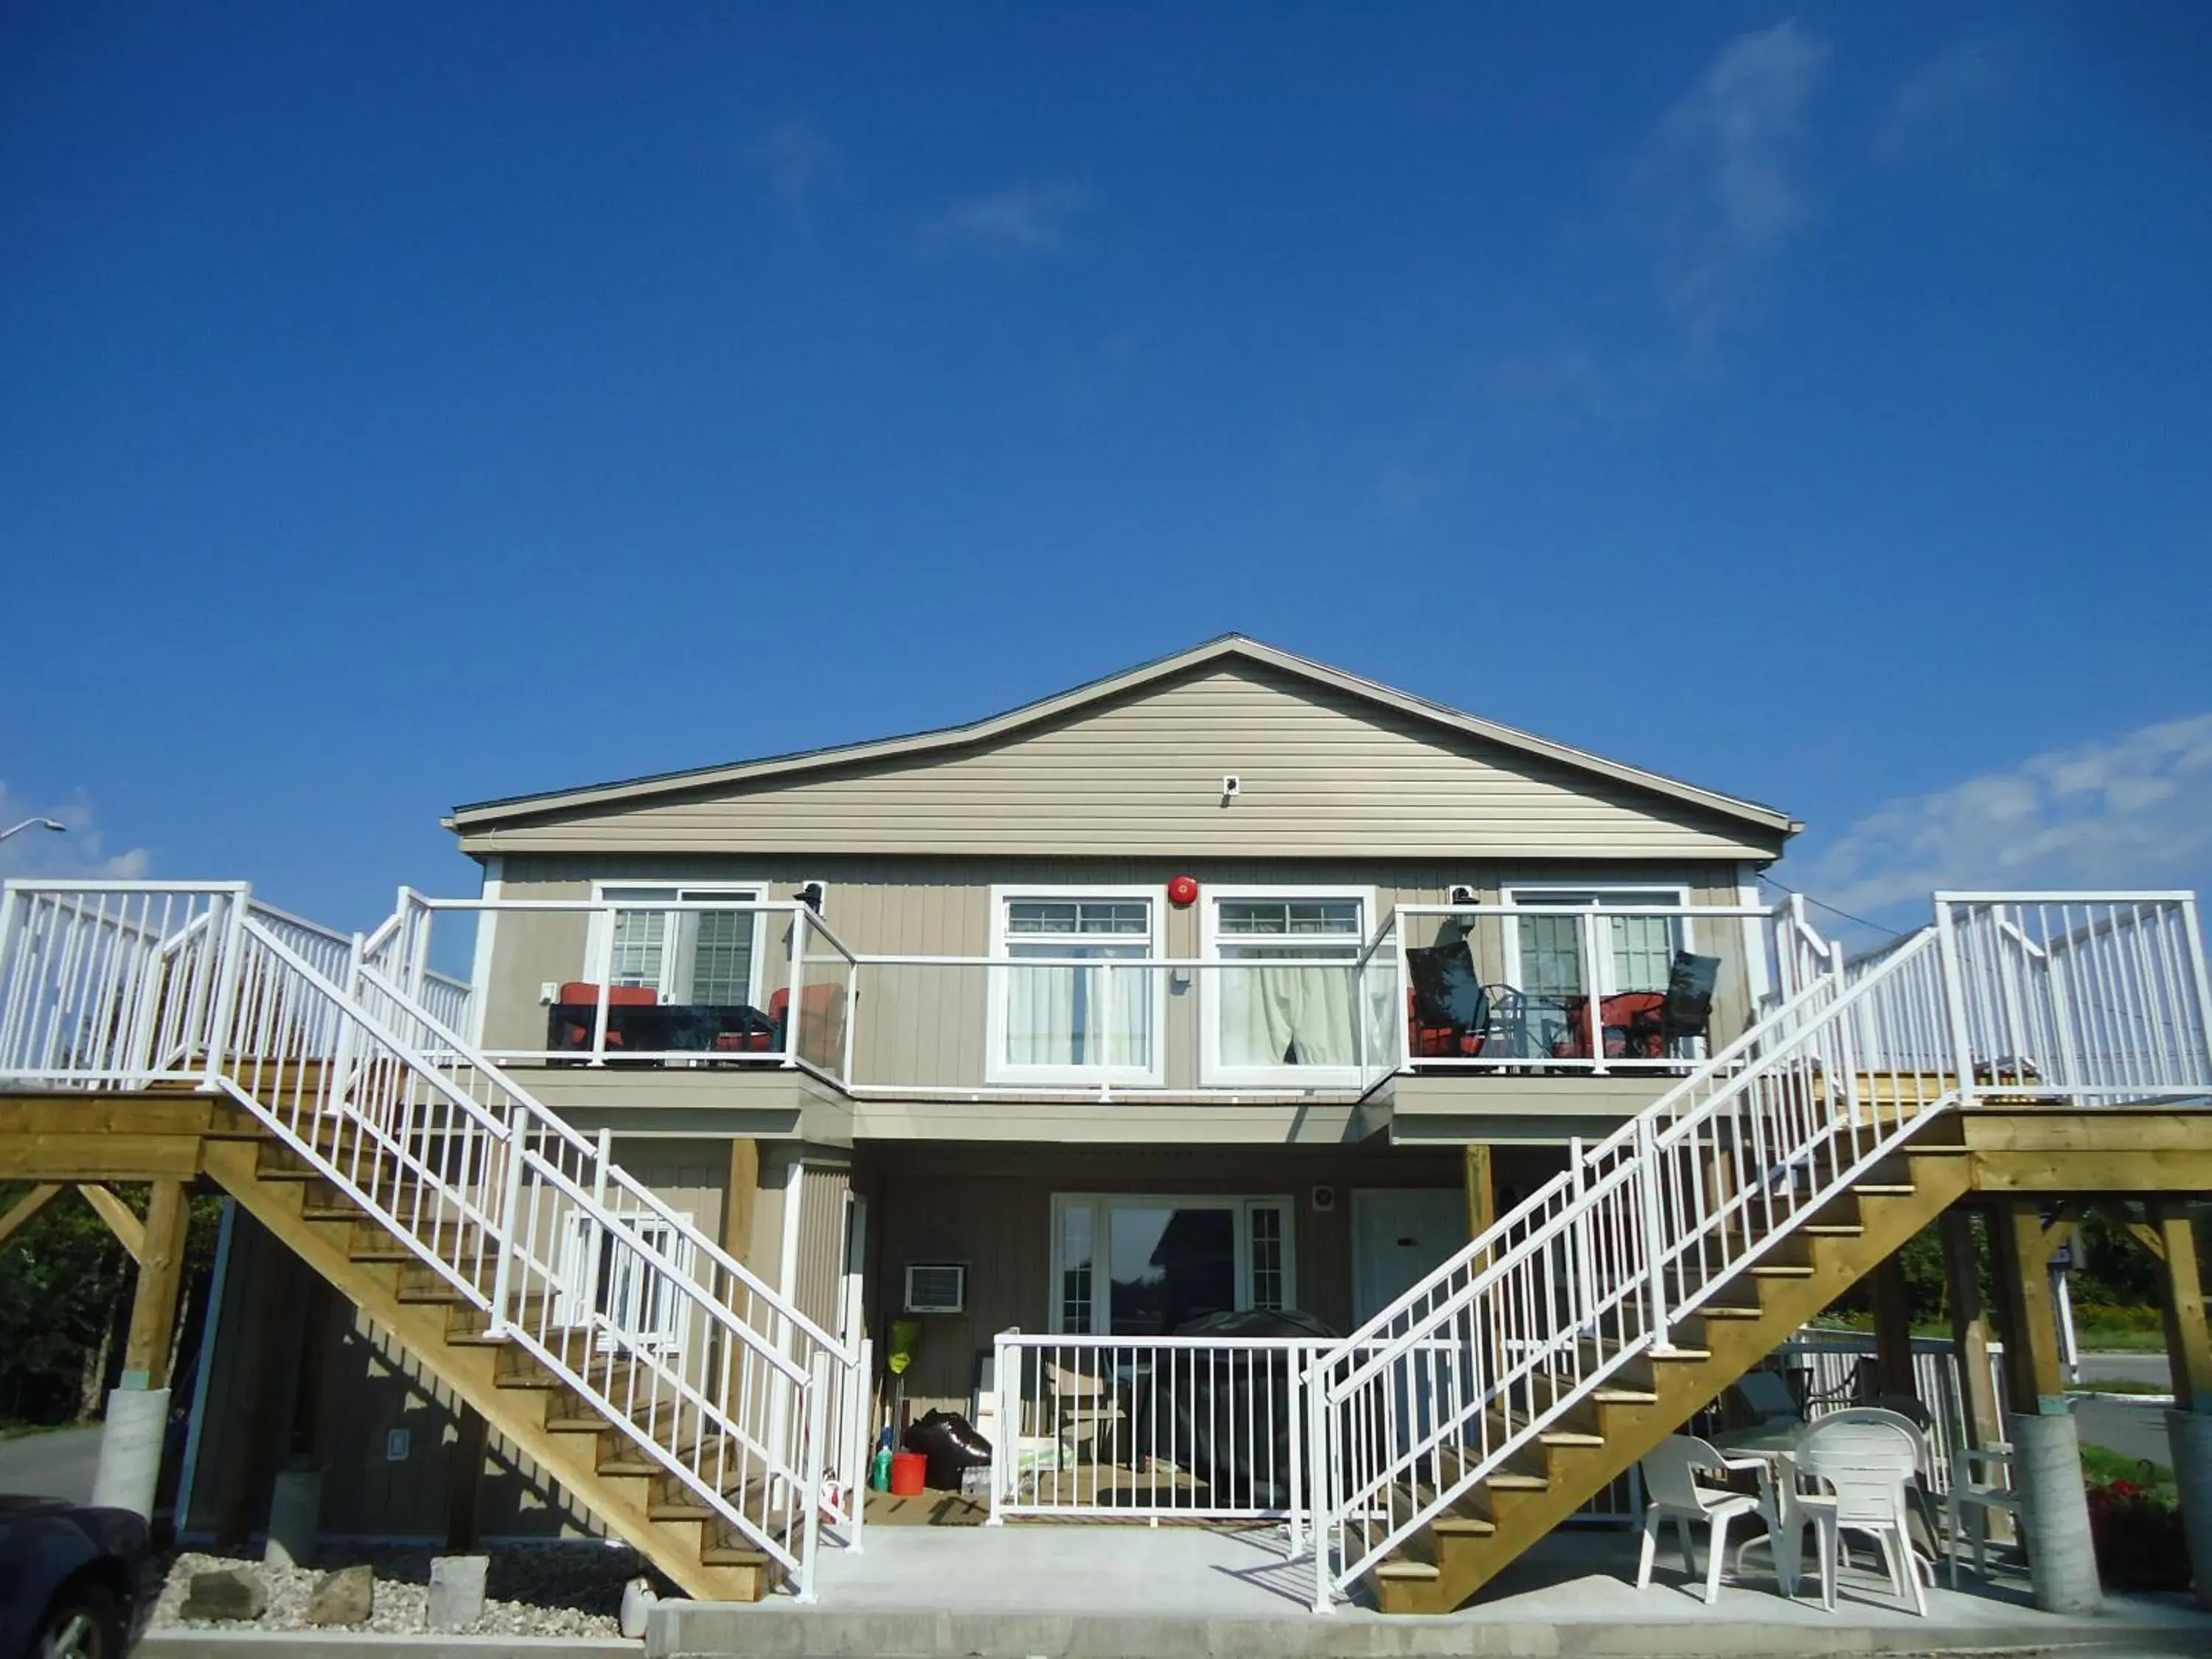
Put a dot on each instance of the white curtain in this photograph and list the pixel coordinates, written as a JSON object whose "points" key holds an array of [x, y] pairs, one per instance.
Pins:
{"points": [[1057, 1016], [1288, 1016]]}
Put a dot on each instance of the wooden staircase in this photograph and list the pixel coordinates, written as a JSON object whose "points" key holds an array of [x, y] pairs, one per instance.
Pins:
{"points": [[169, 1135], [1651, 1397]]}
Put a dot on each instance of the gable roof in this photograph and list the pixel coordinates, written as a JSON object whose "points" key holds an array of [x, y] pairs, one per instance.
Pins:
{"points": [[481, 816]]}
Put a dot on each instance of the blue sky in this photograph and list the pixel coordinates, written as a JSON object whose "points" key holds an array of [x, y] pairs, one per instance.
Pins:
{"points": [[403, 405]]}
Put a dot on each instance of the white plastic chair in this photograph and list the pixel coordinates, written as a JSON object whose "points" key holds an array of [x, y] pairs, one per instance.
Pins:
{"points": [[1973, 1494], [1864, 1458], [1671, 1489]]}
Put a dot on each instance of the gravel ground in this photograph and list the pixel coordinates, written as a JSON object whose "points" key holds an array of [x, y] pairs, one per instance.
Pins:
{"points": [[533, 1590]]}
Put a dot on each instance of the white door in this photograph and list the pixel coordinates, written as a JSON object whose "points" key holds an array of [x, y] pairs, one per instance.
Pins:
{"points": [[1399, 1236]]}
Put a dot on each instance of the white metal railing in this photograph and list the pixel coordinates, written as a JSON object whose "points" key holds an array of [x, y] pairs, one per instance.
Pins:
{"points": [[1461, 1376], [2082, 997], [1552, 974], [1291, 1019], [620, 985], [1465, 1371], [1194, 1428], [719, 1382]]}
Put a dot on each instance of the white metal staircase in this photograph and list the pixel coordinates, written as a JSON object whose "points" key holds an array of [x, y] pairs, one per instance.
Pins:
{"points": [[719, 1399], [1511, 1367]]}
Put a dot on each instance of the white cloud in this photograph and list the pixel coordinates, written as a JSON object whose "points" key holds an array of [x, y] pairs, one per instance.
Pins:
{"points": [[1026, 218], [1946, 107], [1717, 176], [2134, 812], [80, 852]]}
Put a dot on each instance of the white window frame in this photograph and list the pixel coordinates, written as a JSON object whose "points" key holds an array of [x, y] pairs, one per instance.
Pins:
{"points": [[1102, 1205], [597, 937], [997, 1069], [1606, 891], [1213, 1072], [578, 1287]]}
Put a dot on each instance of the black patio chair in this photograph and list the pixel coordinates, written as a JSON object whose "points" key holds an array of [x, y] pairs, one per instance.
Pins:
{"points": [[1688, 1010], [1449, 1008]]}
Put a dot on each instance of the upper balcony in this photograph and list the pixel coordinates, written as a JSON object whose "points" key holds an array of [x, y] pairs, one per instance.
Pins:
{"points": [[1467, 1008], [1289, 1000]]}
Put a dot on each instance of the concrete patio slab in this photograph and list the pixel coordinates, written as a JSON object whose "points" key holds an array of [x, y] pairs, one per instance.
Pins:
{"points": [[1088, 1592]]}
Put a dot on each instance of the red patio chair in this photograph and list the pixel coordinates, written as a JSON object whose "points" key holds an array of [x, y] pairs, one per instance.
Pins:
{"points": [[1634, 1027]]}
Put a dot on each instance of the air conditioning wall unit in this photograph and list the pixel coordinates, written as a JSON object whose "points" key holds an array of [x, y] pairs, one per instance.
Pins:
{"points": [[936, 1287]]}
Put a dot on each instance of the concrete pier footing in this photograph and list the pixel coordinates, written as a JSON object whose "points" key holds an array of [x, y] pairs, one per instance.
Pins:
{"points": [[2062, 1561], [130, 1451]]}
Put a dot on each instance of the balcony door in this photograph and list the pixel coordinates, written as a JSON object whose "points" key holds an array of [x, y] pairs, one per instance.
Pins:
{"points": [[1544, 954], [703, 957]]}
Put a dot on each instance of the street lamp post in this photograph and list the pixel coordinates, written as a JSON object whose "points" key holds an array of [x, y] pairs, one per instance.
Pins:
{"points": [[31, 823]]}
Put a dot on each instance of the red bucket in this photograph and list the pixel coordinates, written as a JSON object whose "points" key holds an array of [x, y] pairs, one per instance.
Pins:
{"points": [[907, 1469]]}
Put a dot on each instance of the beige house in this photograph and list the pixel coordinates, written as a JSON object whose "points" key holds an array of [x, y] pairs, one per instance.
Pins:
{"points": [[1093, 1032], [1247, 1092]]}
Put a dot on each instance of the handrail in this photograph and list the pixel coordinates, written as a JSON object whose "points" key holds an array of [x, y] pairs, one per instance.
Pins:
{"points": [[1600, 1224], [480, 1236], [548, 1122]]}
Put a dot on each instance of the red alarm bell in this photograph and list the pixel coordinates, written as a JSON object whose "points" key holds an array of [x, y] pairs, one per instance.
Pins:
{"points": [[1183, 892]]}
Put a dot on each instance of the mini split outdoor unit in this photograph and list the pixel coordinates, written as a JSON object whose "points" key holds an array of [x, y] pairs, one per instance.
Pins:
{"points": [[936, 1287]]}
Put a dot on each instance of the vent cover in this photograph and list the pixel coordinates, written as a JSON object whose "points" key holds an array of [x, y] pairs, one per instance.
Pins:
{"points": [[936, 1287]]}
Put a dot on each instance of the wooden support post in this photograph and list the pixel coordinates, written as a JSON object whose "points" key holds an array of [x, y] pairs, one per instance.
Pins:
{"points": [[27, 1206], [2030, 1325], [1969, 1339], [1893, 1329], [129, 1230], [465, 1483], [1970, 1329], [2188, 1344], [147, 1352], [1481, 1193], [738, 1201]]}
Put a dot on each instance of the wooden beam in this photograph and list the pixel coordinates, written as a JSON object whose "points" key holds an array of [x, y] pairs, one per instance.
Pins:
{"points": [[121, 1219], [1482, 1193], [27, 1206], [1969, 1334], [2031, 1324], [2187, 1344], [73, 1158], [147, 1352], [1892, 1329], [738, 1200], [2118, 1218]]}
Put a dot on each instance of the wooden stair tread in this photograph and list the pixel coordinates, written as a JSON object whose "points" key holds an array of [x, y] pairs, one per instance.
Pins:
{"points": [[1453, 1524], [1409, 1571], [1505, 1481]]}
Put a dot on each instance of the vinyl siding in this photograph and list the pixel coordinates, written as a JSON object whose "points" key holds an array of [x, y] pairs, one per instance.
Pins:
{"points": [[821, 1277], [925, 1027], [1325, 774]]}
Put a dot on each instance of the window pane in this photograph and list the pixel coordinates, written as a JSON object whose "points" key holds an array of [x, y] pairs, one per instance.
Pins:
{"points": [[722, 957], [1050, 916], [1266, 1257], [1077, 1222], [641, 937], [1643, 948], [1170, 1265], [1059, 1016], [1252, 916], [1551, 955]]}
